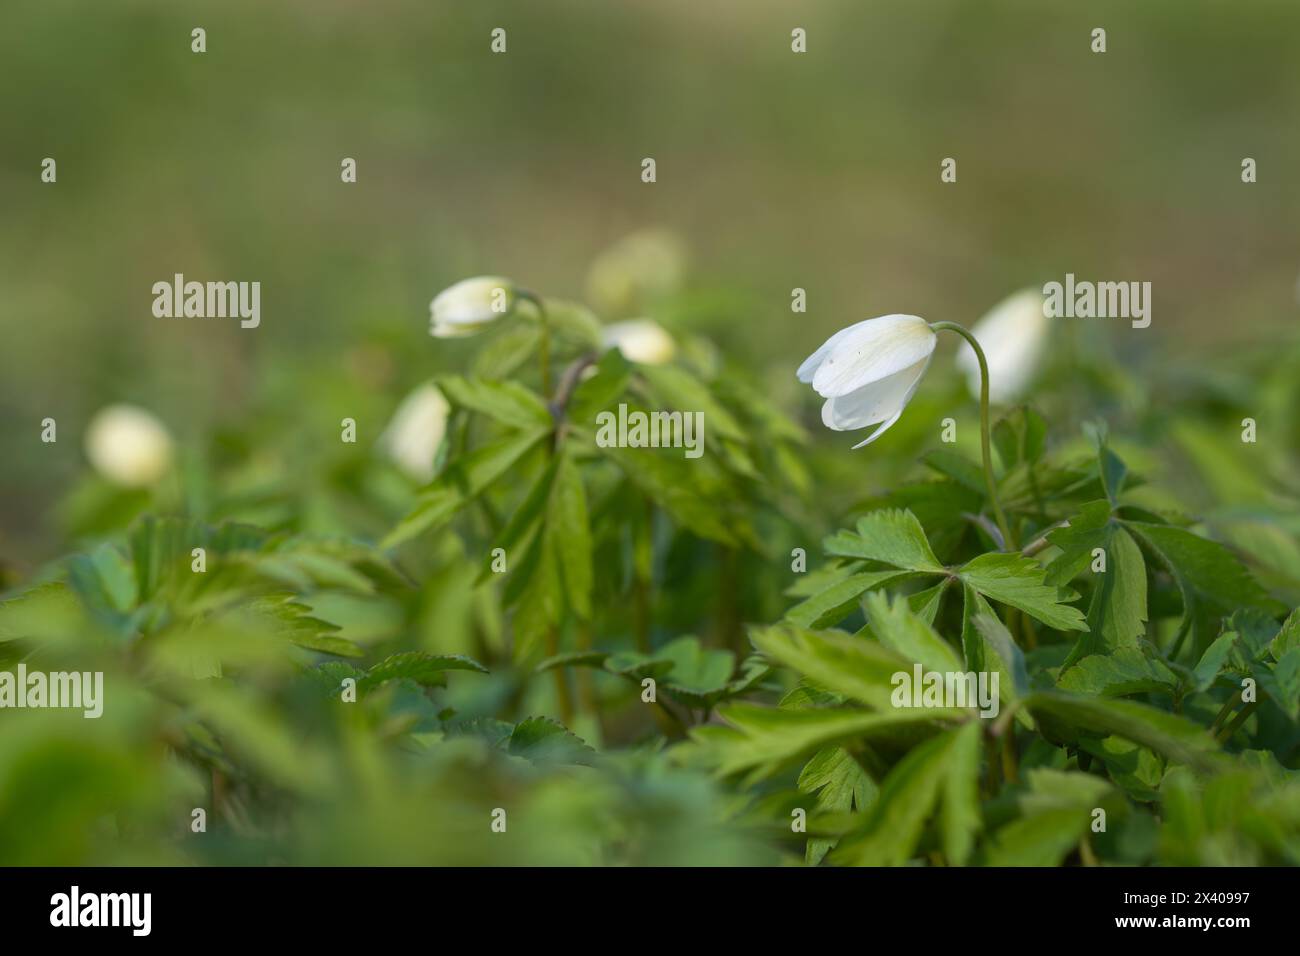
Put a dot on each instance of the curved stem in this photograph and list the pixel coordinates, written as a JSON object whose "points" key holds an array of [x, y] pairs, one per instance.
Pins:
{"points": [[1008, 540], [544, 343]]}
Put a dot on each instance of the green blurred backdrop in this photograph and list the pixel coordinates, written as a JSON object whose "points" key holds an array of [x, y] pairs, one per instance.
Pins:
{"points": [[779, 170]]}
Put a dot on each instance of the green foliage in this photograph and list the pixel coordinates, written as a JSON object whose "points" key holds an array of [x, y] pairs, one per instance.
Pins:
{"points": [[592, 640]]}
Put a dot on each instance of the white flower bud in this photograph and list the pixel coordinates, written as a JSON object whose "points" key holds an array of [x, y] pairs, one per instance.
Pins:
{"points": [[1013, 335], [416, 431], [470, 305], [641, 340], [128, 445]]}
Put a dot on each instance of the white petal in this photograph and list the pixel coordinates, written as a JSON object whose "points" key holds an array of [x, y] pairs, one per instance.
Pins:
{"points": [[874, 402], [1014, 336], [814, 361], [871, 351], [879, 431]]}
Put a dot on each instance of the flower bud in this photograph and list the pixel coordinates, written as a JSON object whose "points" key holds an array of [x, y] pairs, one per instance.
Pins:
{"points": [[470, 305], [128, 445]]}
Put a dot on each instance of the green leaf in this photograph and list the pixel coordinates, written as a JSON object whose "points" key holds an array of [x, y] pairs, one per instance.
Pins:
{"points": [[1282, 682], [896, 627], [889, 536], [546, 741], [841, 785], [570, 534], [1128, 670], [959, 807], [1019, 581], [908, 796], [1288, 636], [461, 483], [1212, 581], [1000, 653], [838, 601], [860, 669], [677, 389], [428, 670], [1044, 839], [765, 739], [1168, 734], [1020, 437], [507, 402], [1211, 663]]}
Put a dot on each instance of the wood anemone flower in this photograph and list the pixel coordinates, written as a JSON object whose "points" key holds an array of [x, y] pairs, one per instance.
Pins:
{"points": [[868, 372]]}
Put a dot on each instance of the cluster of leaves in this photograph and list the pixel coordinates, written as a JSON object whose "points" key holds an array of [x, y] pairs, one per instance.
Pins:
{"points": [[1159, 725], [364, 670]]}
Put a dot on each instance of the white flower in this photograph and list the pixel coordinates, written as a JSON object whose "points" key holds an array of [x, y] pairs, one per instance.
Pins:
{"points": [[128, 445], [469, 305], [641, 340], [413, 437], [638, 268], [868, 372], [1013, 335]]}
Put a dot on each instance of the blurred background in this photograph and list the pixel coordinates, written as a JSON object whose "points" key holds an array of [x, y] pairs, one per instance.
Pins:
{"points": [[778, 170]]}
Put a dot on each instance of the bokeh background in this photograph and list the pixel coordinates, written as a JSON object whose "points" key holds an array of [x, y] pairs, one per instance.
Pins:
{"points": [[778, 170]]}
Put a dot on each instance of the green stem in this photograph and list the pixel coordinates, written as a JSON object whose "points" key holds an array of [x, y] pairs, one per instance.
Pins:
{"points": [[1008, 541], [544, 341], [1226, 734]]}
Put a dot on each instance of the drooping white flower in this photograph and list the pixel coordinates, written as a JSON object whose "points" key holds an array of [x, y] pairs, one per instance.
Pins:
{"points": [[635, 270], [416, 431], [469, 305], [868, 372], [128, 445], [1013, 335], [641, 340]]}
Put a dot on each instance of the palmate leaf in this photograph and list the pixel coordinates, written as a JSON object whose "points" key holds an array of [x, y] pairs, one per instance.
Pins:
{"points": [[463, 481], [1057, 811], [943, 772], [1019, 581]]}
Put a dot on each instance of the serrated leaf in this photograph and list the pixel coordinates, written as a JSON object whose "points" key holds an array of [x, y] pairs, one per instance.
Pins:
{"points": [[1119, 673], [1019, 581], [889, 536], [426, 669], [908, 797], [546, 741]]}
